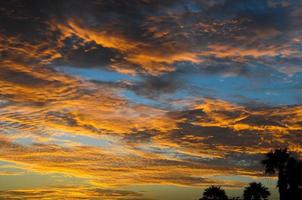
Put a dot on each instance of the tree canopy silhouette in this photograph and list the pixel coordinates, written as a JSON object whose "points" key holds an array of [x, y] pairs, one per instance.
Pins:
{"points": [[214, 193], [280, 162], [289, 173], [276, 161], [294, 178], [256, 191]]}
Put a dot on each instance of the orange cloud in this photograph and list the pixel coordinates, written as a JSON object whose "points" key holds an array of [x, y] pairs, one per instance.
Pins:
{"points": [[219, 113], [60, 106], [152, 60], [53, 103], [224, 51], [103, 167], [69, 193], [41, 53]]}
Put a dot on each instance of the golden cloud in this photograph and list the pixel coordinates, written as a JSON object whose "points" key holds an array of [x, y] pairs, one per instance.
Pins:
{"points": [[150, 59], [69, 193]]}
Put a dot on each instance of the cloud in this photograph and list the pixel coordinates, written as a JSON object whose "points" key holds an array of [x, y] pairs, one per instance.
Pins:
{"points": [[151, 37], [154, 87], [175, 53], [95, 164], [202, 140], [77, 53], [69, 192]]}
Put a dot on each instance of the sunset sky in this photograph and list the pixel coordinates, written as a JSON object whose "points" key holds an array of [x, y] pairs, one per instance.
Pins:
{"points": [[146, 99]]}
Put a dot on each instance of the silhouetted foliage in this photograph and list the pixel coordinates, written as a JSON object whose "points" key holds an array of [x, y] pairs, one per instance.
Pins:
{"points": [[214, 193], [256, 191], [289, 173], [280, 162], [294, 178], [276, 161]]}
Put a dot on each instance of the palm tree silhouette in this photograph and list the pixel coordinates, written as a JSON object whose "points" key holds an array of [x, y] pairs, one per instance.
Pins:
{"points": [[214, 193], [294, 178], [276, 161], [256, 191]]}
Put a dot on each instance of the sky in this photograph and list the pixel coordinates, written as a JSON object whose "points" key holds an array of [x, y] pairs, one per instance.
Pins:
{"points": [[146, 99]]}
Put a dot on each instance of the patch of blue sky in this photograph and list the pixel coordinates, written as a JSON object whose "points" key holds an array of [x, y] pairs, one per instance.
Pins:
{"points": [[274, 90], [193, 7], [10, 168], [138, 99], [5, 163], [172, 153], [24, 141], [161, 101], [167, 151], [96, 74], [65, 139]]}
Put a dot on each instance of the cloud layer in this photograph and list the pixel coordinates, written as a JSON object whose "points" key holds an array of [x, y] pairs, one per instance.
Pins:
{"points": [[121, 93]]}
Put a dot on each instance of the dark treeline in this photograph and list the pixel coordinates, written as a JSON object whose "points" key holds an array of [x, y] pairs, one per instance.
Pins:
{"points": [[279, 162]]}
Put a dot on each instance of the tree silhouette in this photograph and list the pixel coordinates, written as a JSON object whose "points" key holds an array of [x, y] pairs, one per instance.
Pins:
{"points": [[256, 191], [276, 161], [214, 193], [280, 162], [294, 178]]}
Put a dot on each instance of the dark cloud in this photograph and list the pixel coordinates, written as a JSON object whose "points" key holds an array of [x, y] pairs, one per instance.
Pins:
{"points": [[214, 136], [76, 53], [22, 78], [140, 137], [153, 87], [170, 27], [261, 120]]}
